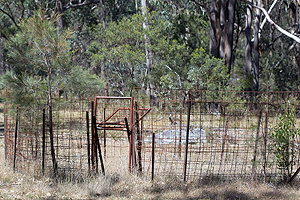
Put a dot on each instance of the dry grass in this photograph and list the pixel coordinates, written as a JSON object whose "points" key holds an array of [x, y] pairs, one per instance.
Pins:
{"points": [[131, 186]]}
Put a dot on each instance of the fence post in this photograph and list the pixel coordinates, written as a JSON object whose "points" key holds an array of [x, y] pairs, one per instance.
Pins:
{"points": [[98, 145], [5, 132], [153, 154], [187, 139], [129, 140], [52, 143], [138, 135], [265, 144], [256, 144], [44, 142], [88, 141], [104, 133], [16, 137], [93, 138]]}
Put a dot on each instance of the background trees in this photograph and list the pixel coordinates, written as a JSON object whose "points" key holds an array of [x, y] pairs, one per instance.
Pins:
{"points": [[184, 41]]}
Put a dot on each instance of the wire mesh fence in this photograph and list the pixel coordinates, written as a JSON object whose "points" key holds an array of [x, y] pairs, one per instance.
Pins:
{"points": [[191, 134]]}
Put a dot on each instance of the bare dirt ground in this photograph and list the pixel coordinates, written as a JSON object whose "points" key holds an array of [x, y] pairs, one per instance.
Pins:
{"points": [[14, 185]]}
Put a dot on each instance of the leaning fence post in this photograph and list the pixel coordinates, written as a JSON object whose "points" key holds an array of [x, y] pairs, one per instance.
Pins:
{"points": [[187, 140], [98, 145], [16, 137]]}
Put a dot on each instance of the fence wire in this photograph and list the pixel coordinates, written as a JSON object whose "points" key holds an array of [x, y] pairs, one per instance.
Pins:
{"points": [[229, 134]]}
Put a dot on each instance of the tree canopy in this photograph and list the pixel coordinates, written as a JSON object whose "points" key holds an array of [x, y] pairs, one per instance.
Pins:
{"points": [[81, 47]]}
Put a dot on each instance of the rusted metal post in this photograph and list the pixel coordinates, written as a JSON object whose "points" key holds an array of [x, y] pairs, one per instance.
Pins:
{"points": [[88, 141], [153, 155], [98, 146], [187, 139], [133, 135], [138, 135], [16, 138], [44, 141], [256, 144]]}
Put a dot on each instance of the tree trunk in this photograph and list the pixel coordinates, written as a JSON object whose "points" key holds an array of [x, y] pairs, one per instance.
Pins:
{"points": [[59, 23], [103, 63], [256, 48], [148, 52], [214, 29], [248, 48], [229, 30], [2, 68]]}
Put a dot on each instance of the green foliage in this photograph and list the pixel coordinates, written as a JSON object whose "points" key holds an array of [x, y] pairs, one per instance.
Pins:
{"points": [[207, 73], [83, 83], [41, 63], [284, 136]]}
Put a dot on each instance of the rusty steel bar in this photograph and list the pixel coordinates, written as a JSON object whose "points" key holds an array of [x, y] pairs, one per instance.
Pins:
{"points": [[187, 139], [88, 141], [105, 97], [110, 116], [16, 137], [43, 141]]}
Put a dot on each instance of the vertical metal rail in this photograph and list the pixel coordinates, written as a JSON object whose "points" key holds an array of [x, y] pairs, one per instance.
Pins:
{"points": [[16, 138], [88, 141], [187, 139], [43, 141]]}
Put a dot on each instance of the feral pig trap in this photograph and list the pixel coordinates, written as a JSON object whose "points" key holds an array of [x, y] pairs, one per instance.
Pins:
{"points": [[193, 135]]}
